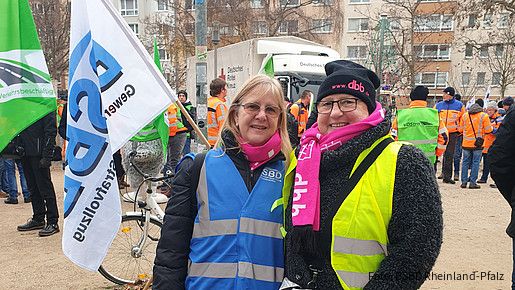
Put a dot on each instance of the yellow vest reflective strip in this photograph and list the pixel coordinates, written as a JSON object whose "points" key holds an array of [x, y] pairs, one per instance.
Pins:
{"points": [[441, 146], [419, 142], [146, 133], [231, 270], [429, 154], [452, 126], [353, 279], [358, 247]]}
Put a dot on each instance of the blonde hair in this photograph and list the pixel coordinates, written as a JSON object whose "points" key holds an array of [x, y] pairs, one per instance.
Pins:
{"points": [[265, 84]]}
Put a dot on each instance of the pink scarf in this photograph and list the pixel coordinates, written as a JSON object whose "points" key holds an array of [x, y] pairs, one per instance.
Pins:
{"points": [[259, 155], [306, 190]]}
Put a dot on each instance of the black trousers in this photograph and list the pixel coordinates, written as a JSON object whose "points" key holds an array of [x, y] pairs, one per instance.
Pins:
{"points": [[118, 167], [448, 156], [42, 190]]}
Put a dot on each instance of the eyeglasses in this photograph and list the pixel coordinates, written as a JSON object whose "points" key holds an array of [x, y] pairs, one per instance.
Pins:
{"points": [[345, 105], [253, 109]]}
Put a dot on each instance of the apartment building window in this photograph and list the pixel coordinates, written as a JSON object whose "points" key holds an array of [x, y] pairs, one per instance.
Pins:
{"points": [[289, 2], [472, 21], [504, 19], [395, 24], [480, 80], [465, 79], [487, 21], [289, 26], [323, 2], [496, 79], [469, 50], [499, 50], [358, 24], [358, 1], [188, 5], [433, 23], [189, 28], [134, 27], [483, 51], [259, 27], [228, 30], [433, 51], [129, 7], [256, 3], [163, 54], [162, 5], [358, 52], [431, 79], [322, 25]]}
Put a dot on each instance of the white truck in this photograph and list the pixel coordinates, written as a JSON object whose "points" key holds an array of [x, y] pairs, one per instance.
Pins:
{"points": [[298, 64]]}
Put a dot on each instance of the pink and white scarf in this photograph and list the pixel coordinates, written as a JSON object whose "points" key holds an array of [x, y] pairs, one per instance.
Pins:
{"points": [[306, 189], [259, 155]]}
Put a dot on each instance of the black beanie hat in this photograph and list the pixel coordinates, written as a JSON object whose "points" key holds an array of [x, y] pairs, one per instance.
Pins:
{"points": [[457, 97], [450, 91], [347, 77], [480, 102], [419, 93], [183, 92]]}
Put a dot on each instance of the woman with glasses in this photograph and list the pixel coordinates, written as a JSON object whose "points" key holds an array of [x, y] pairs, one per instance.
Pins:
{"points": [[363, 212], [222, 228]]}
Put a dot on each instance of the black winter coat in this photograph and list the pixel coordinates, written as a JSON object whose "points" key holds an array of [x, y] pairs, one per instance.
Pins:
{"points": [[414, 231], [38, 139], [501, 157], [171, 263]]}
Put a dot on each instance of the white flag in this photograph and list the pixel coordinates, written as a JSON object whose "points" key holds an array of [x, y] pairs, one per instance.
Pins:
{"points": [[487, 95], [115, 90], [470, 102]]}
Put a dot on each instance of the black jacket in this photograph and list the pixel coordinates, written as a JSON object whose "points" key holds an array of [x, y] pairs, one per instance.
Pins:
{"points": [[414, 231], [61, 129], [192, 112], [171, 263], [501, 157], [38, 139]]}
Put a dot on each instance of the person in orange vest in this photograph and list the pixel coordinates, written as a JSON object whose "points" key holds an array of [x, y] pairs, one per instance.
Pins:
{"points": [[475, 124], [177, 139], [450, 111], [300, 109], [216, 109], [495, 121]]}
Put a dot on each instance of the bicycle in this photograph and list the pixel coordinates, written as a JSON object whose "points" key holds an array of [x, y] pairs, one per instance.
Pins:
{"points": [[131, 256]]}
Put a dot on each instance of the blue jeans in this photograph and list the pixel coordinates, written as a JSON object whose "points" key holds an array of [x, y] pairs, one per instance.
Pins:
{"points": [[457, 155], [471, 160], [10, 170], [4, 185]]}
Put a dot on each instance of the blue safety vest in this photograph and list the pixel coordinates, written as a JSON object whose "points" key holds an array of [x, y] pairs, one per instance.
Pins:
{"points": [[237, 241]]}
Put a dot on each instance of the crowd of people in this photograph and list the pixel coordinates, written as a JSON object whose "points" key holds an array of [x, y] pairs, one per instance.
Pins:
{"points": [[328, 192]]}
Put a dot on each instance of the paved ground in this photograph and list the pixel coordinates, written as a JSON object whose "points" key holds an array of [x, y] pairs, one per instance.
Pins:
{"points": [[474, 245]]}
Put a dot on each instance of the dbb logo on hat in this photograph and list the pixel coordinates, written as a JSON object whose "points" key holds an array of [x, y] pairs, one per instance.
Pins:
{"points": [[353, 85]]}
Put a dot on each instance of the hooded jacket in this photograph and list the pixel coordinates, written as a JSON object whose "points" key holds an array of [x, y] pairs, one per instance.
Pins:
{"points": [[415, 229]]}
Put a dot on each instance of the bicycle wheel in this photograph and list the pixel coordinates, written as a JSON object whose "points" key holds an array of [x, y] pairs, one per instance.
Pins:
{"points": [[120, 265]]}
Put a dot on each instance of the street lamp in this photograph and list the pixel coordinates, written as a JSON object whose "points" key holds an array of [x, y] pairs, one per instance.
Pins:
{"points": [[215, 38], [437, 74]]}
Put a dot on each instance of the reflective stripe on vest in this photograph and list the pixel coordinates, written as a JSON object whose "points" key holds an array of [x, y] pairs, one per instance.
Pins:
{"points": [[240, 269], [233, 227], [212, 119], [419, 126], [360, 238], [477, 127]]}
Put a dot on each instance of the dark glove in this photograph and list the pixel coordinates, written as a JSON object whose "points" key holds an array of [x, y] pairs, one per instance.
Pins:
{"points": [[45, 163]]}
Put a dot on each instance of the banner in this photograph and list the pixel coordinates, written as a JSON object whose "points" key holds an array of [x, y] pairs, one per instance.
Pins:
{"points": [[26, 93], [267, 67], [115, 89]]}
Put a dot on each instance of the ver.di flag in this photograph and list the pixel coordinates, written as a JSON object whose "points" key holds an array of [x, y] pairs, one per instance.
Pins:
{"points": [[115, 89], [26, 93], [267, 67]]}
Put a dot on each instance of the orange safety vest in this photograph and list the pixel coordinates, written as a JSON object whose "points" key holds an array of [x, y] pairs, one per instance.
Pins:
{"points": [[481, 123], [216, 110], [495, 121], [174, 124], [301, 115]]}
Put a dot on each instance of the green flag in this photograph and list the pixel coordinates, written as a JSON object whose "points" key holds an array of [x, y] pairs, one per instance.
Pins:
{"points": [[26, 93], [158, 127], [267, 67]]}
